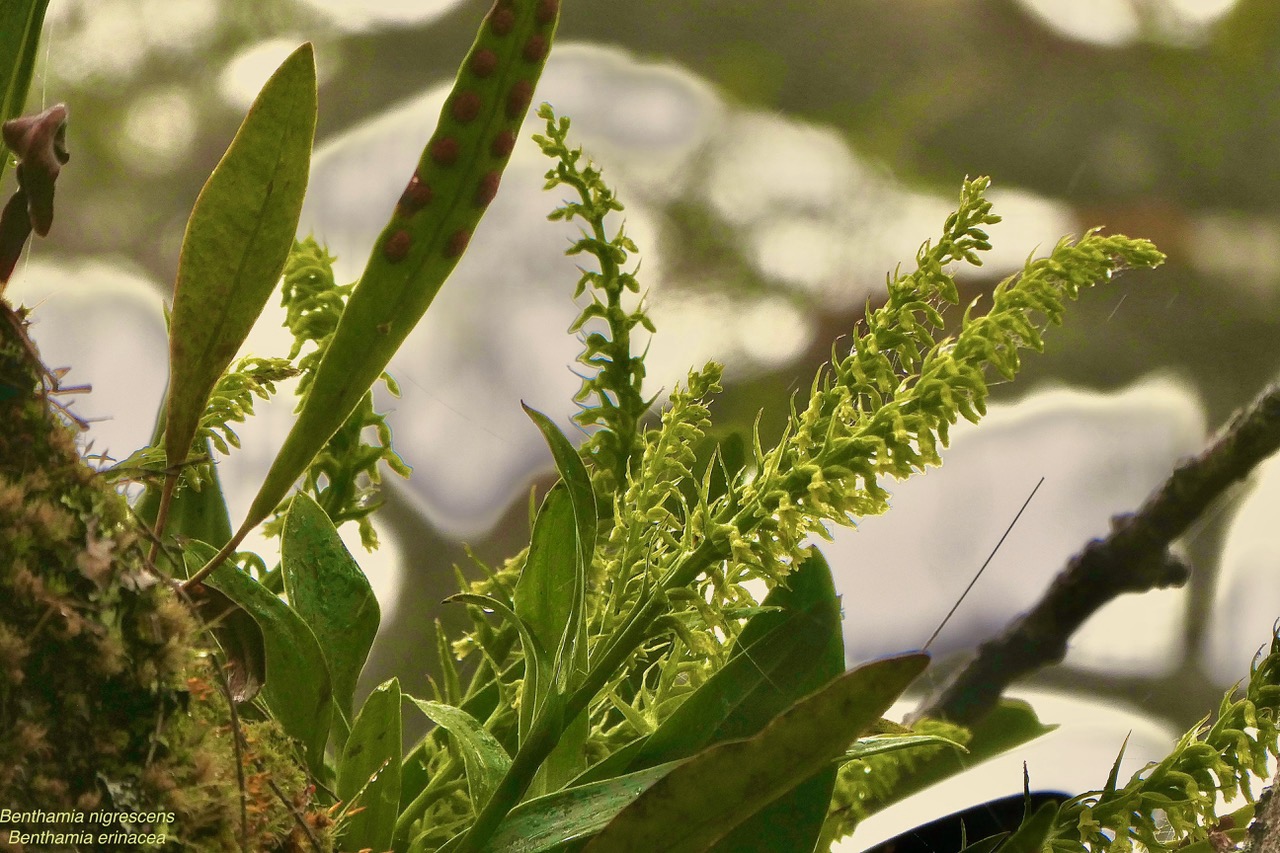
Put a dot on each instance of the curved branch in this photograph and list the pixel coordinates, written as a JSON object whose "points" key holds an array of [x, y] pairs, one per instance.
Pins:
{"points": [[1134, 557]]}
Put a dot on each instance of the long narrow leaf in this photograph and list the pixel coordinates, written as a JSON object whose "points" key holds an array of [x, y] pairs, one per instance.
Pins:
{"points": [[237, 239], [703, 800], [547, 823], [454, 182], [567, 759], [483, 758], [369, 771]]}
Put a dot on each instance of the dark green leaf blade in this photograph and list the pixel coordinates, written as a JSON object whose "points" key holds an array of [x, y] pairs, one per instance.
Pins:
{"points": [[484, 759], [546, 596], [297, 683], [1011, 723], [325, 585], [237, 239], [571, 654], [781, 656], [369, 771], [544, 592], [547, 823], [704, 799]]}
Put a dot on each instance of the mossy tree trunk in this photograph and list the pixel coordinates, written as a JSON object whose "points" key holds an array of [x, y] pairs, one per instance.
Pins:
{"points": [[112, 707]]}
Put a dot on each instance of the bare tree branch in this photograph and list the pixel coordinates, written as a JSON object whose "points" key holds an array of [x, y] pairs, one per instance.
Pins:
{"points": [[1133, 558]]}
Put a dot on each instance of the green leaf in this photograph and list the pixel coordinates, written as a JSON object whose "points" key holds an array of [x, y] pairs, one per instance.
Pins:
{"points": [[20, 24], [1012, 722], [237, 239], [547, 823], [785, 652], [571, 655], [193, 514], [537, 666], [548, 598], [369, 771], [297, 684], [1031, 836], [881, 744], [456, 177], [780, 656], [557, 591], [325, 586], [545, 592], [702, 801], [239, 637], [483, 757]]}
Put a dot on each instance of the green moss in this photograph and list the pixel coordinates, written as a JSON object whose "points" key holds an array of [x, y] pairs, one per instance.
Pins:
{"points": [[109, 696]]}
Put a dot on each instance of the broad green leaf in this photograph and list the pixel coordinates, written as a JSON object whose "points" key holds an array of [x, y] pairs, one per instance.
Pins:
{"points": [[809, 615], [236, 242], [297, 687], [239, 636], [571, 654], [456, 178], [369, 771], [703, 800], [782, 654], [483, 757], [325, 586], [1012, 722], [20, 24], [547, 823]]}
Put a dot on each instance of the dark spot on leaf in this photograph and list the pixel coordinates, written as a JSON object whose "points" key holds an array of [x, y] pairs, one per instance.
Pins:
{"points": [[416, 196], [502, 144], [518, 99], [547, 11], [484, 62], [535, 49], [397, 246], [502, 19], [444, 150], [457, 243], [466, 106], [488, 188]]}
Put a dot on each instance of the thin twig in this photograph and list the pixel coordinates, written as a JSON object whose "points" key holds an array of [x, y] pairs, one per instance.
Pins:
{"points": [[298, 817], [1134, 557], [237, 736]]}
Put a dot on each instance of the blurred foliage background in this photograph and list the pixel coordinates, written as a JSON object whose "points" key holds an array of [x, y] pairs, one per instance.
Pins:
{"points": [[1152, 117]]}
